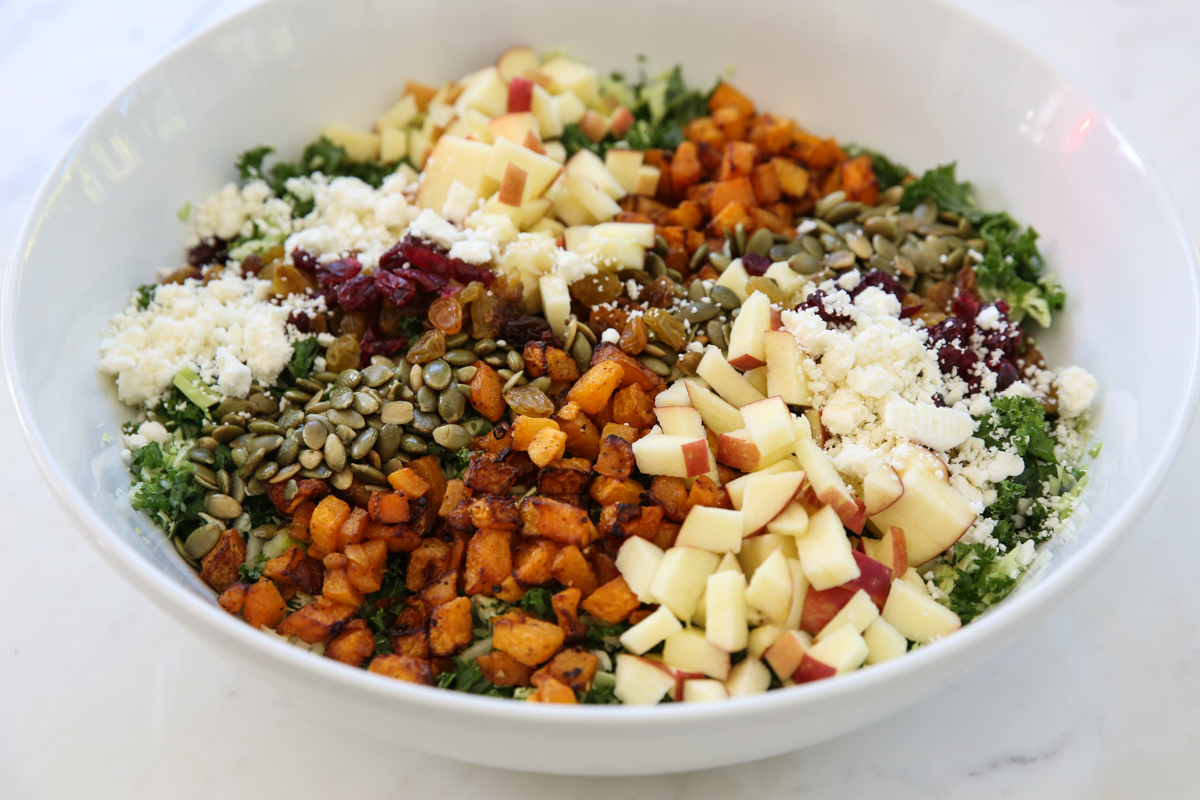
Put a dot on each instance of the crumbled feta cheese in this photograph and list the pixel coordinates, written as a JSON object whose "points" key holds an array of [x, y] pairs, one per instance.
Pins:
{"points": [[154, 432], [610, 335], [940, 429], [1076, 390], [459, 202]]}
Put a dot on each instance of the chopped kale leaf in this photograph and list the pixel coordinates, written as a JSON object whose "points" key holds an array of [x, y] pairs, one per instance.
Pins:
{"points": [[537, 602]]}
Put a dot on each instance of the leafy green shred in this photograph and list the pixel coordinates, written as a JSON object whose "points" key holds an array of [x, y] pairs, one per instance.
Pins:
{"points": [[601, 636], [661, 107], [889, 173], [177, 412], [458, 461], [380, 606], [602, 692], [185, 211], [1012, 265], [537, 601], [411, 327], [1020, 423], [164, 487], [979, 578], [145, 294], [252, 574], [304, 354]]}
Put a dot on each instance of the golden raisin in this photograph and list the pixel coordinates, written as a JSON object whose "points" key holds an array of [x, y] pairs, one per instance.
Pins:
{"points": [[770, 288], [446, 315], [633, 338], [669, 330], [660, 293], [529, 401], [431, 346], [603, 287], [342, 354], [354, 323], [286, 279]]}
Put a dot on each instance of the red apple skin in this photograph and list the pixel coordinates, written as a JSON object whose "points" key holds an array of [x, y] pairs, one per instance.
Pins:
{"points": [[594, 125], [695, 458], [848, 508], [741, 454], [680, 677], [808, 498], [622, 119], [746, 362], [776, 319], [818, 430], [784, 656], [532, 142], [512, 188], [812, 670], [822, 605], [874, 578], [899, 551], [886, 501], [520, 95]]}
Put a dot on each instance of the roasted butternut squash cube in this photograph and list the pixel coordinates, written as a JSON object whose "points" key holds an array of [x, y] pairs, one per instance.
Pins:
{"points": [[616, 458], [220, 567], [525, 428], [326, 521], [562, 522], [264, 605], [575, 668], [612, 602], [595, 386], [354, 645], [450, 627], [529, 640], [534, 560], [408, 481], [366, 565], [572, 570], [314, 622], [501, 669], [402, 668], [489, 561]]}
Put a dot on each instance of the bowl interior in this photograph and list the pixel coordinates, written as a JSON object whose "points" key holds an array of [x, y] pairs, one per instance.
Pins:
{"points": [[1031, 141]]}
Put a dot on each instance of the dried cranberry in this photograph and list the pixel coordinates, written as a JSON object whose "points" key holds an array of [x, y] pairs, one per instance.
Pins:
{"points": [[426, 280], [881, 280], [465, 273], [305, 261], [908, 312], [526, 329], [965, 307], [357, 294], [372, 345], [338, 271], [251, 265], [299, 321], [210, 251], [1006, 375], [755, 264], [1002, 305], [816, 301], [394, 287], [427, 257]]}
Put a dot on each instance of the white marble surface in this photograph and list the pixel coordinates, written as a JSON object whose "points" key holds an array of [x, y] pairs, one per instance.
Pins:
{"points": [[101, 695]]}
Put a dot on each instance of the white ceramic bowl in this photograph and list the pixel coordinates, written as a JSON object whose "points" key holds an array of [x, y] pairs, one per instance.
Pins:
{"points": [[916, 79]]}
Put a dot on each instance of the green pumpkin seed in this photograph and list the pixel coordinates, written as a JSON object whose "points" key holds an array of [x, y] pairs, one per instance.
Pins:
{"points": [[719, 261], [661, 246], [880, 226], [202, 540], [227, 433], [222, 506], [286, 473], [335, 453], [222, 481], [389, 441], [465, 374], [266, 470], [341, 397], [310, 458], [342, 480], [495, 360], [696, 292], [263, 404], [426, 399], [363, 443], [255, 488], [411, 443], [287, 452], [368, 474], [350, 378], [267, 442], [654, 365], [237, 488], [840, 259], [376, 375], [325, 377], [485, 347], [309, 385], [290, 418], [365, 403], [542, 384], [460, 358], [262, 426], [314, 434], [424, 422], [699, 312], [320, 473], [782, 252], [760, 242], [452, 437], [397, 412], [205, 477], [265, 532], [516, 362], [716, 334], [726, 298], [232, 405], [698, 257], [345, 433], [346, 417], [208, 443], [253, 459], [581, 351], [478, 426], [828, 203], [954, 261], [451, 404], [739, 238], [655, 266], [437, 374], [200, 455], [859, 245], [457, 340], [842, 212]]}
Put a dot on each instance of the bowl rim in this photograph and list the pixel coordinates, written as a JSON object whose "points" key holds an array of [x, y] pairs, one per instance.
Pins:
{"points": [[206, 618]]}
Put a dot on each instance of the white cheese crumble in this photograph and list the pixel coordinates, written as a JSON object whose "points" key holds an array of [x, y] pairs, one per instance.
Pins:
{"points": [[227, 331], [1076, 390]]}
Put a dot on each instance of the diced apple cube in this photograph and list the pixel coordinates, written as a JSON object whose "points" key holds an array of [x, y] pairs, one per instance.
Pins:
{"points": [[650, 631], [519, 61], [681, 421], [916, 615], [891, 550], [787, 652], [737, 486], [624, 166], [717, 530], [717, 414], [570, 76], [725, 611], [761, 639], [858, 614], [640, 233], [674, 395], [883, 642], [766, 496], [640, 681], [689, 651], [587, 164], [646, 182], [758, 549], [545, 107], [828, 485], [360, 145], [842, 651], [725, 380], [750, 676], [677, 456], [454, 159], [770, 589], [681, 578], [540, 170], [599, 205], [637, 561], [398, 116], [746, 336], [792, 521], [769, 423], [704, 691], [931, 513], [784, 376], [799, 592], [393, 144], [913, 578], [556, 302], [825, 552], [788, 279]]}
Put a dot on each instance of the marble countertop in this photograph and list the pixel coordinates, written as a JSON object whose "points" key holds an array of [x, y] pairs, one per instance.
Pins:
{"points": [[102, 695]]}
